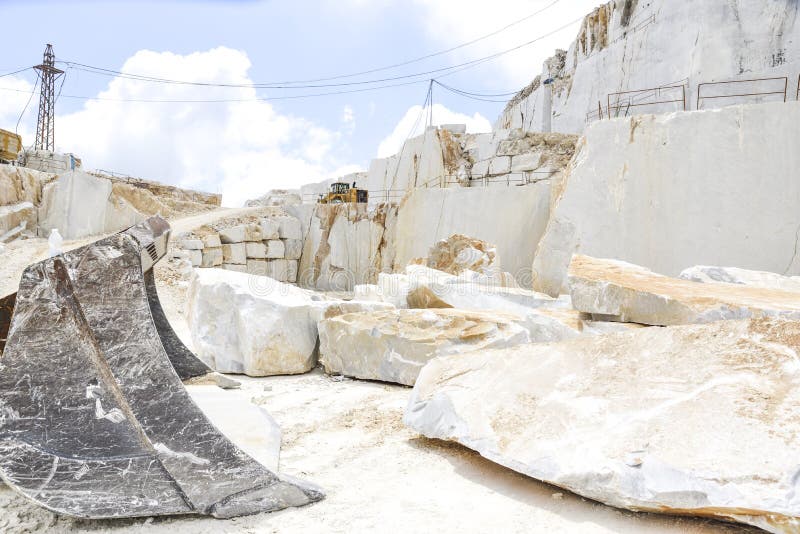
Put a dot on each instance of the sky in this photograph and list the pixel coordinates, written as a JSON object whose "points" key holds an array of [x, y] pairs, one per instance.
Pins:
{"points": [[313, 89]]}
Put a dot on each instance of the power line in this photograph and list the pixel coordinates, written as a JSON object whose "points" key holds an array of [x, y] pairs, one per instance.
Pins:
{"points": [[474, 96], [472, 93], [457, 67], [15, 72], [28, 103], [227, 100], [448, 71], [434, 54], [104, 71]]}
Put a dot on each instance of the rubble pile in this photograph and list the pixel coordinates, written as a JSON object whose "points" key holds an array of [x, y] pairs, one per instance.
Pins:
{"points": [[459, 253]]}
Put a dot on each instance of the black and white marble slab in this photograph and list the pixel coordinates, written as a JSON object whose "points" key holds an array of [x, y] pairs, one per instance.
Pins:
{"points": [[94, 419]]}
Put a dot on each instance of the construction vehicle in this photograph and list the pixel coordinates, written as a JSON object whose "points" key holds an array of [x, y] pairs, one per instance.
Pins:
{"points": [[10, 146], [94, 419], [343, 193]]}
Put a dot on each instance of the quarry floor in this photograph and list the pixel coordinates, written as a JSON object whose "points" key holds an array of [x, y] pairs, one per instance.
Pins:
{"points": [[348, 437]]}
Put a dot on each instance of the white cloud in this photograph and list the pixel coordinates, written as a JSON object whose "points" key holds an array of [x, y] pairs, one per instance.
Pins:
{"points": [[348, 119], [241, 149], [414, 121], [453, 22], [15, 94]]}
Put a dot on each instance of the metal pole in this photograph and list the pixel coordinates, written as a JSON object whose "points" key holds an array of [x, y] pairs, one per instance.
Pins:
{"points": [[699, 85]]}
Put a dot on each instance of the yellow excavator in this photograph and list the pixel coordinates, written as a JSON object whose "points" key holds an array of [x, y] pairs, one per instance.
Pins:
{"points": [[343, 193]]}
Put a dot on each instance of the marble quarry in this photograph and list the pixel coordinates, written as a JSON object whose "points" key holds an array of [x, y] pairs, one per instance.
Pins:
{"points": [[602, 294]]}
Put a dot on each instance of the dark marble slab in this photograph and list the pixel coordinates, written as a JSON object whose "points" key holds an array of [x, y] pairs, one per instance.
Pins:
{"points": [[94, 419], [7, 304], [185, 363]]}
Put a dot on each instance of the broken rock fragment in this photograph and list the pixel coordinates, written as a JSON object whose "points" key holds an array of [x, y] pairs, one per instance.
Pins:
{"points": [[459, 253], [630, 293], [693, 420], [734, 275]]}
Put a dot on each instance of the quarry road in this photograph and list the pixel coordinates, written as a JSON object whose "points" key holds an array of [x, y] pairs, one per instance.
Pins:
{"points": [[188, 223], [348, 437]]}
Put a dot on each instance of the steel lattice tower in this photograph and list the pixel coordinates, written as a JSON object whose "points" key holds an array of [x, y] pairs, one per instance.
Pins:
{"points": [[45, 126]]}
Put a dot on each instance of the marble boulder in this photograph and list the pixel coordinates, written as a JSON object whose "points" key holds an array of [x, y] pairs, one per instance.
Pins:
{"points": [[694, 420], [626, 292], [250, 324], [392, 346]]}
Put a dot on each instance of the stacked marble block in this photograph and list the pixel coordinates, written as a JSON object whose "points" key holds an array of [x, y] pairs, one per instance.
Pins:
{"points": [[270, 247]]}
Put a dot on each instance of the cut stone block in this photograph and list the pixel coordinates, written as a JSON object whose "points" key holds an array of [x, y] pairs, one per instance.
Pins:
{"points": [[269, 229], [212, 257], [234, 234], [279, 270], [649, 420], [211, 241], [480, 169], [293, 248], [500, 165], [274, 249], [291, 271], [257, 267], [630, 293], [234, 267], [289, 227], [252, 232], [526, 162], [195, 257], [256, 250], [192, 244], [234, 253]]}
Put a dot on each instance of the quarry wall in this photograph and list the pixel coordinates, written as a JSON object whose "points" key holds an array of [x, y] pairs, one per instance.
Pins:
{"points": [[716, 187], [492, 186], [511, 218], [638, 44], [80, 204]]}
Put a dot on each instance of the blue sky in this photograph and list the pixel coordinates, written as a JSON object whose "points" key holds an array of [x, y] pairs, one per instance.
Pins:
{"points": [[246, 147]]}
